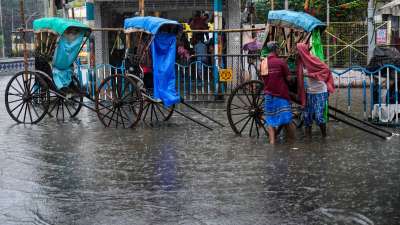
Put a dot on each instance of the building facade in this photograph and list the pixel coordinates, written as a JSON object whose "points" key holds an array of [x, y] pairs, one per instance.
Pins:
{"points": [[10, 20]]}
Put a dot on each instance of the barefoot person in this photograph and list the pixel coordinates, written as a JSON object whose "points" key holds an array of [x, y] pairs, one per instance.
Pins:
{"points": [[275, 74], [318, 83]]}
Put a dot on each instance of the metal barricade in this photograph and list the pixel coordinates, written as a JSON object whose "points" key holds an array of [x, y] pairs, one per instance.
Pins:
{"points": [[198, 81], [90, 78], [377, 90]]}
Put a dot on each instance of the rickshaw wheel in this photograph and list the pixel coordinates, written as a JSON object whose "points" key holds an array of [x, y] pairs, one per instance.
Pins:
{"points": [[298, 117], [119, 102], [27, 97], [61, 108], [245, 108], [156, 112]]}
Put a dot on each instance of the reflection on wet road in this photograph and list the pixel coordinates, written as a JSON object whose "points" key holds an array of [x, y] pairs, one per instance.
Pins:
{"points": [[80, 173]]}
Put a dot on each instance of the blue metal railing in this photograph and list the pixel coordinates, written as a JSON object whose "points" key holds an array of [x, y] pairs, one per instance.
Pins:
{"points": [[384, 79], [195, 82]]}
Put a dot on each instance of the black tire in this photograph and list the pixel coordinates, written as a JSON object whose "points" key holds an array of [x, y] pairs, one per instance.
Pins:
{"points": [[27, 97], [155, 112], [245, 108], [62, 108], [119, 96]]}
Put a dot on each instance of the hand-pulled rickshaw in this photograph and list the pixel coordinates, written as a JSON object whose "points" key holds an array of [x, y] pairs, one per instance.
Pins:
{"points": [[245, 108], [31, 94], [54, 88], [157, 37]]}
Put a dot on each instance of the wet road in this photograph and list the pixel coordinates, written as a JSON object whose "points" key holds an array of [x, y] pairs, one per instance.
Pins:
{"points": [[80, 173]]}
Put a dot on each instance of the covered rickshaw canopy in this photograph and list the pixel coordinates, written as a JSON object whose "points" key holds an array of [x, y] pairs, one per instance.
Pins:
{"points": [[163, 49], [59, 25], [149, 24], [296, 20], [67, 48]]}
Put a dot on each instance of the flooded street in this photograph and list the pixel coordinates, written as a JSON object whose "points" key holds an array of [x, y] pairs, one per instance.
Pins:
{"points": [[81, 173]]}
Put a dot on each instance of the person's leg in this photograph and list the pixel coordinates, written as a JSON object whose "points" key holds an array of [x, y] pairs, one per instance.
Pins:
{"points": [[290, 131], [319, 108], [271, 134], [322, 127], [308, 116]]}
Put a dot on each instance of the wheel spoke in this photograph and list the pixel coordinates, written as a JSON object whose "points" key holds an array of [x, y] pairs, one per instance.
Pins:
{"points": [[247, 96], [122, 118], [106, 115], [69, 111], [34, 110], [151, 113], [126, 114], [116, 124], [54, 105], [15, 89], [244, 126], [237, 108], [19, 113], [58, 107], [155, 113], [62, 107], [13, 94], [15, 101], [238, 114], [251, 127], [16, 107], [19, 84], [29, 111], [238, 96], [26, 107], [111, 118], [241, 120], [104, 107], [146, 111], [258, 132], [162, 113]]}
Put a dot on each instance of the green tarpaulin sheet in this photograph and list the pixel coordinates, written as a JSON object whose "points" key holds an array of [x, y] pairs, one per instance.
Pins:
{"points": [[316, 44]]}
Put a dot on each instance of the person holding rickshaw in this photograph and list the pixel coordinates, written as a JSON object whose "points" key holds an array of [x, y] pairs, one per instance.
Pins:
{"points": [[276, 76]]}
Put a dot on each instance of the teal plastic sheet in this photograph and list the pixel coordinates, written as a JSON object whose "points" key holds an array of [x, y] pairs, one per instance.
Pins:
{"points": [[58, 25], [64, 56]]}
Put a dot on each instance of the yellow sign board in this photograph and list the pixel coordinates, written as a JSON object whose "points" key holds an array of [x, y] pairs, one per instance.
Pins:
{"points": [[225, 74]]}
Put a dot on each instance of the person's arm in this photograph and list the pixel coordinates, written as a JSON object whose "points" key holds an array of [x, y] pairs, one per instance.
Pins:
{"points": [[286, 72]]}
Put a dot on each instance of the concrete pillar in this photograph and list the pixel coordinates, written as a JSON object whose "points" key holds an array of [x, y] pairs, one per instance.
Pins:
{"points": [[99, 36], [371, 35], [234, 38]]}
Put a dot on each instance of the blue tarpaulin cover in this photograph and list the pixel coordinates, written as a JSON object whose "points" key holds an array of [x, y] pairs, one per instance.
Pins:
{"points": [[64, 56], [163, 50], [163, 53], [148, 23], [298, 20]]}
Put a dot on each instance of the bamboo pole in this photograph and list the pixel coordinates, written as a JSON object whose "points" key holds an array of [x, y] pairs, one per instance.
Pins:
{"points": [[141, 7], [22, 13], [187, 31]]}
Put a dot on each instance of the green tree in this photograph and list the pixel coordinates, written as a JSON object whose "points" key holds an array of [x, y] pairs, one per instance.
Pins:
{"points": [[340, 10]]}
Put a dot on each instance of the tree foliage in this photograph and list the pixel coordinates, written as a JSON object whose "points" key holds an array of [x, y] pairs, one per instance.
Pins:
{"points": [[340, 10]]}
